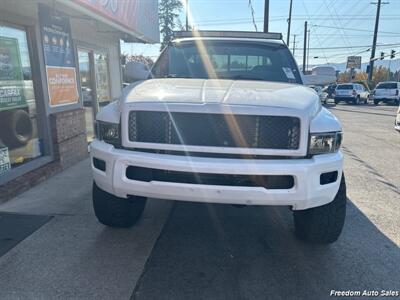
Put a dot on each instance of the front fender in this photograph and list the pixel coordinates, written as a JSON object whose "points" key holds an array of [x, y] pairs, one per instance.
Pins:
{"points": [[325, 121]]}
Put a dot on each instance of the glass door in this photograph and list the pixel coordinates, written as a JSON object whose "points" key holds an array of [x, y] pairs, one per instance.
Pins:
{"points": [[95, 85], [88, 90], [102, 80]]}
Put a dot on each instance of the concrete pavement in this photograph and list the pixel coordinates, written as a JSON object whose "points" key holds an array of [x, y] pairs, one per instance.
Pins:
{"points": [[73, 256]]}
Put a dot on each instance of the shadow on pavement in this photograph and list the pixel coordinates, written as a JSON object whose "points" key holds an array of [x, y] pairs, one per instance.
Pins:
{"points": [[14, 228], [223, 252]]}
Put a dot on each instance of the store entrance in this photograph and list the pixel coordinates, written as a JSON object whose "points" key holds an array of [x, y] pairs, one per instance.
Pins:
{"points": [[88, 91], [95, 88]]}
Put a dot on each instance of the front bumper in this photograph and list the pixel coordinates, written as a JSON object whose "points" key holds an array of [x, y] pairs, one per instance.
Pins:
{"points": [[385, 98], [344, 98], [306, 193], [397, 122]]}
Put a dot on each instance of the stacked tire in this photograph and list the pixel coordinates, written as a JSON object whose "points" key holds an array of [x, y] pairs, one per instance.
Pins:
{"points": [[16, 128]]}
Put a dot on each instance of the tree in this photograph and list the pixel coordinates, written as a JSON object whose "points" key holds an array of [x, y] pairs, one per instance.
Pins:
{"points": [[168, 14]]}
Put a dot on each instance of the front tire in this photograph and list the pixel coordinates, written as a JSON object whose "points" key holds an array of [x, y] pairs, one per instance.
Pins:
{"points": [[357, 100], [376, 102], [114, 211], [323, 224]]}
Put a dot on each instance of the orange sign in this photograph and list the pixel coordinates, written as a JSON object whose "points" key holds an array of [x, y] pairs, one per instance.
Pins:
{"points": [[62, 85]]}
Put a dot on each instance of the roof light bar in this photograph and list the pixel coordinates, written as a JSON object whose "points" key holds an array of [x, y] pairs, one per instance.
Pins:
{"points": [[229, 34]]}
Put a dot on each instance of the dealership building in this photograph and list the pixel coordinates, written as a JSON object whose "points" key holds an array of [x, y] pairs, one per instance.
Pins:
{"points": [[59, 64]]}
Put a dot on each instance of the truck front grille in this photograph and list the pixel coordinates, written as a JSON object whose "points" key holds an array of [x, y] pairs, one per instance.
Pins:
{"points": [[218, 130], [272, 182]]}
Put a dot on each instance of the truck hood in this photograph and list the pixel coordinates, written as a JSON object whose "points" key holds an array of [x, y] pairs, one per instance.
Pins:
{"points": [[221, 91]]}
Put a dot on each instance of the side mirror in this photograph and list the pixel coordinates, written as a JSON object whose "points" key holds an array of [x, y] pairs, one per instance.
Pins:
{"points": [[136, 70]]}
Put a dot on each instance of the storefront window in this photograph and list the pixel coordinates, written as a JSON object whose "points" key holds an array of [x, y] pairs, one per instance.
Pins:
{"points": [[19, 140], [102, 82]]}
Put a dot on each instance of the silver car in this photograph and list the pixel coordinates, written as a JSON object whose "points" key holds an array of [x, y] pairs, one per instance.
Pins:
{"points": [[387, 92], [351, 92]]}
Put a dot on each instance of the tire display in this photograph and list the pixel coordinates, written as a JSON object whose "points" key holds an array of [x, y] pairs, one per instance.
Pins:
{"points": [[17, 128]]}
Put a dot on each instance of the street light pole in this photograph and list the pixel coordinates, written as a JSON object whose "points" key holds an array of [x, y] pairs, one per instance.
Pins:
{"points": [[294, 44], [289, 22]]}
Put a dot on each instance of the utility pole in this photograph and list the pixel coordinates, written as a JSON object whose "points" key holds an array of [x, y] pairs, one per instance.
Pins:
{"points": [[308, 45], [266, 15], [289, 23], [371, 61], [305, 47], [187, 14], [294, 44]]}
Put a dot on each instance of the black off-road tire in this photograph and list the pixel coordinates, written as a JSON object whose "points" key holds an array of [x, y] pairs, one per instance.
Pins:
{"points": [[357, 100], [376, 102], [323, 224], [114, 211], [17, 128]]}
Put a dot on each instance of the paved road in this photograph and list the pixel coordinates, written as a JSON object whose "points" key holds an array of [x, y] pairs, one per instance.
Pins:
{"points": [[223, 252], [214, 251]]}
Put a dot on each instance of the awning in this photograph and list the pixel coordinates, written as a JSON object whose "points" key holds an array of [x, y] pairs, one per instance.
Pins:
{"points": [[138, 19]]}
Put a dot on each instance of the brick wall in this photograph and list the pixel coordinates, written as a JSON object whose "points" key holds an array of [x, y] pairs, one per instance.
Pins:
{"points": [[69, 137], [70, 146]]}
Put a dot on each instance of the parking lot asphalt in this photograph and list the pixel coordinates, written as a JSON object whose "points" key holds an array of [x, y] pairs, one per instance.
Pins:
{"points": [[197, 251], [224, 252]]}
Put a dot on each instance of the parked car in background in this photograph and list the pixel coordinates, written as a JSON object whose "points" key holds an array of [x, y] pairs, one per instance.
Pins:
{"points": [[397, 120], [323, 96], [351, 92], [387, 92]]}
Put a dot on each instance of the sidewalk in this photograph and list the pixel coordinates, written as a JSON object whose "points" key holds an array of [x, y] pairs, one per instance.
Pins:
{"points": [[72, 255]]}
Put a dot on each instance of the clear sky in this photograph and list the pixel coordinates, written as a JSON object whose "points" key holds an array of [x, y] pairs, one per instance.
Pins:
{"points": [[346, 25]]}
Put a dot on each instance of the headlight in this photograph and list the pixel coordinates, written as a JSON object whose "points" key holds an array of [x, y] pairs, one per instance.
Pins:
{"points": [[322, 143], [109, 133]]}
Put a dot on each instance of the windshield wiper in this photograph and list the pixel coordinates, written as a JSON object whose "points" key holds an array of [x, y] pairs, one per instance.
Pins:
{"points": [[176, 76], [247, 77]]}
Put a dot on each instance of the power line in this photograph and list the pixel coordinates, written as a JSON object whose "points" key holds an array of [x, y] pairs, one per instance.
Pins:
{"points": [[352, 47], [353, 29], [253, 15]]}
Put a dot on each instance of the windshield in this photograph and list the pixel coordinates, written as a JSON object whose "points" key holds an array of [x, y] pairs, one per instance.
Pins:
{"points": [[387, 85], [227, 60], [345, 87]]}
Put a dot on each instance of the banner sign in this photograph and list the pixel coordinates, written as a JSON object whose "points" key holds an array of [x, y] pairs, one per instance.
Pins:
{"points": [[11, 75], [138, 16], [5, 165], [353, 62], [58, 56]]}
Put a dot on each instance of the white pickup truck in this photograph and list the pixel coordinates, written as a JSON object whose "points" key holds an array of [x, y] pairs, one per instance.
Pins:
{"points": [[223, 118]]}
